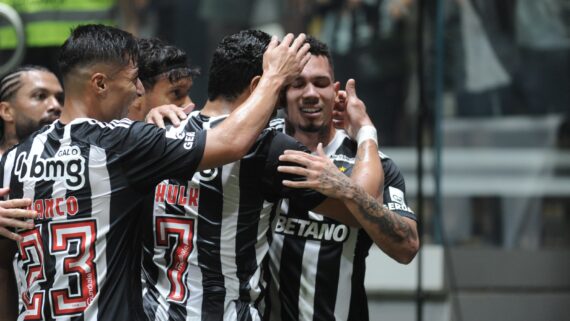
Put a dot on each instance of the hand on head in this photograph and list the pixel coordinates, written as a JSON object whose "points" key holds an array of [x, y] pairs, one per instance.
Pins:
{"points": [[287, 59]]}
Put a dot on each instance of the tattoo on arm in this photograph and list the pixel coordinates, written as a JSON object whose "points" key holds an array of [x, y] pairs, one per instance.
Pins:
{"points": [[390, 223]]}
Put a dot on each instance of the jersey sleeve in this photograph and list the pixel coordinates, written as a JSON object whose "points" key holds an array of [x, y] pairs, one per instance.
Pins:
{"points": [[395, 190], [278, 142], [149, 154]]}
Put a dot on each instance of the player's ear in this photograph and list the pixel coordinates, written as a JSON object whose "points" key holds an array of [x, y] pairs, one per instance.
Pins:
{"points": [[6, 111], [336, 86], [99, 83], [253, 83]]}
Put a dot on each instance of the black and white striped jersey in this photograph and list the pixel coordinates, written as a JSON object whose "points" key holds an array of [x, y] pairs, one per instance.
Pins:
{"points": [[316, 265], [202, 259], [86, 180]]}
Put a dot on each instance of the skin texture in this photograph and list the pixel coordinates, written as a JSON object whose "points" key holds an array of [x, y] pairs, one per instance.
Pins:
{"points": [[37, 102], [163, 93], [315, 105]]}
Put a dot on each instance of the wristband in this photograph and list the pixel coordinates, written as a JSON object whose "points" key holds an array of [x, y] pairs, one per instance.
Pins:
{"points": [[365, 133]]}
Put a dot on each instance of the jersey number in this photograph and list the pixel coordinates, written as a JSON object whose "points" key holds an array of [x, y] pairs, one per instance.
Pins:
{"points": [[175, 235], [72, 245]]}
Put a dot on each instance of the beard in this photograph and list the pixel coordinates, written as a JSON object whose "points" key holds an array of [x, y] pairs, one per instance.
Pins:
{"points": [[27, 126]]}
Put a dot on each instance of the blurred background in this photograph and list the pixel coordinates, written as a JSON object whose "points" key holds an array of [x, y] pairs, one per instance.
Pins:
{"points": [[471, 99]]}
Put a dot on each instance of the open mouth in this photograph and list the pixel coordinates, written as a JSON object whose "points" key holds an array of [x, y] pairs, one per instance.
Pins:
{"points": [[311, 110]]}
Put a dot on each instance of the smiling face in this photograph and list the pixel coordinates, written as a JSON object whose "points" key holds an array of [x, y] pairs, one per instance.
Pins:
{"points": [[310, 98]]}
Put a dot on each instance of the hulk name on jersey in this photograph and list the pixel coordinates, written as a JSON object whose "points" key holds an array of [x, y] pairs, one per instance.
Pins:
{"points": [[86, 180], [316, 265], [202, 258]]}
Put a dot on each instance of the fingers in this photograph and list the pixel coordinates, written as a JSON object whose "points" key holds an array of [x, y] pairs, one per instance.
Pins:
{"points": [[320, 150], [156, 120], [17, 213], [299, 41], [188, 109], [351, 88], [173, 116], [302, 159], [15, 223], [286, 42], [295, 170], [15, 203], [295, 184], [306, 58], [9, 235], [273, 43], [4, 191]]}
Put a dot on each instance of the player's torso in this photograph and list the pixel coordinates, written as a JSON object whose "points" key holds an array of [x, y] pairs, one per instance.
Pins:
{"points": [[74, 263], [208, 240], [312, 257]]}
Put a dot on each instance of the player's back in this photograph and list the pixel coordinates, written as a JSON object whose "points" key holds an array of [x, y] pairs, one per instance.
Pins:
{"points": [[203, 256], [86, 180]]}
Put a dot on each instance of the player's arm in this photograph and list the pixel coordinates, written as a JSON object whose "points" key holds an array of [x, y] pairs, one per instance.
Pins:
{"points": [[395, 234], [8, 290], [232, 139], [367, 172]]}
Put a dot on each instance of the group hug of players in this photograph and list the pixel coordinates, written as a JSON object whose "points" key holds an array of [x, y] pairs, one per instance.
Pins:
{"points": [[230, 212]]}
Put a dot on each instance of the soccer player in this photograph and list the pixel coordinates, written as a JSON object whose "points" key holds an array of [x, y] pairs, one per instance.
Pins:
{"points": [[203, 256], [30, 97], [86, 174], [165, 75], [317, 263]]}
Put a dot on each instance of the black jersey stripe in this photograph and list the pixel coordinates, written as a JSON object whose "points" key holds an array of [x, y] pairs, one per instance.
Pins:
{"points": [[250, 204], [326, 283], [290, 272]]}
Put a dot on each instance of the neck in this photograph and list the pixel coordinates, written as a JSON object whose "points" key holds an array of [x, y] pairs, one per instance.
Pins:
{"points": [[8, 140], [77, 107], [312, 139], [221, 106]]}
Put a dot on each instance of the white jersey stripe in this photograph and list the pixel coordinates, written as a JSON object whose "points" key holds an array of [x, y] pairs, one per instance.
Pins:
{"points": [[100, 205], [308, 279], [341, 309]]}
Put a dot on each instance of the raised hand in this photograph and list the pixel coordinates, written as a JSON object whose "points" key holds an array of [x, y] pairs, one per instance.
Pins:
{"points": [[12, 214], [287, 59], [350, 112]]}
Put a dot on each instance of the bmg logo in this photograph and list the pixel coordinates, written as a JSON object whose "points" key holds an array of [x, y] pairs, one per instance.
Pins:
{"points": [[68, 166]]}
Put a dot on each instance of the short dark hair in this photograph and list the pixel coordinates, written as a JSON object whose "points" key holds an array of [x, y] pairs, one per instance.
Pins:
{"points": [[156, 58], [319, 48], [237, 59], [95, 43]]}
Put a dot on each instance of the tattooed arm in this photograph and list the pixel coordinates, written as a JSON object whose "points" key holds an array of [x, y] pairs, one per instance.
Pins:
{"points": [[395, 234]]}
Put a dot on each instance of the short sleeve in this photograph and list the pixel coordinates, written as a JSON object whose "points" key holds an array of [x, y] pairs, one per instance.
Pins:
{"points": [[395, 190], [276, 143], [150, 154]]}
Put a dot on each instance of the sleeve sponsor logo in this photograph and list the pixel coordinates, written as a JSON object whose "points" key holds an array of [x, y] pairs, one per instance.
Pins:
{"points": [[68, 166], [312, 230], [187, 137], [397, 200]]}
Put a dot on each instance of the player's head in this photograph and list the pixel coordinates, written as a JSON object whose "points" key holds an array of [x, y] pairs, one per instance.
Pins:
{"points": [[30, 97], [99, 65], [310, 98], [236, 61], [165, 75]]}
